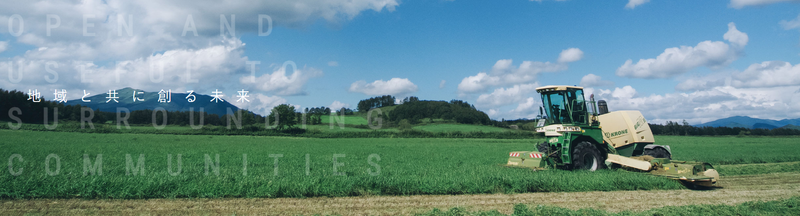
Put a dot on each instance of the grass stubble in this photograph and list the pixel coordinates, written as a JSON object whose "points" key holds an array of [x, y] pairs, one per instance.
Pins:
{"points": [[736, 190]]}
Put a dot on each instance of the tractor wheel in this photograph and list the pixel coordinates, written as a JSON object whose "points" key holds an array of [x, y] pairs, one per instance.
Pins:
{"points": [[586, 156], [658, 152], [544, 147]]}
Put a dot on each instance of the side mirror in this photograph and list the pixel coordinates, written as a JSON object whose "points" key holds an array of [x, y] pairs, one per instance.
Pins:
{"points": [[540, 111]]}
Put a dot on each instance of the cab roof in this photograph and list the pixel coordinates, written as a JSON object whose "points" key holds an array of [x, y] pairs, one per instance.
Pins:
{"points": [[556, 88]]}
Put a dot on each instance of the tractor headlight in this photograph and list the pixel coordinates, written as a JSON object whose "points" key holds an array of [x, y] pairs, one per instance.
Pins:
{"points": [[568, 129], [540, 130]]}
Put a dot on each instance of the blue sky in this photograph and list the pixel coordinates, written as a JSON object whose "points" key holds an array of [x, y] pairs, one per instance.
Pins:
{"points": [[703, 60]]}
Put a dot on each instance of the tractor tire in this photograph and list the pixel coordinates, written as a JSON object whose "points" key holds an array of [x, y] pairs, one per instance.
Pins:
{"points": [[543, 147], [658, 152], [585, 156]]}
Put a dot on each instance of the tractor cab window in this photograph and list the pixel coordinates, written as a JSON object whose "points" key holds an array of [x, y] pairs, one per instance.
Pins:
{"points": [[565, 107], [555, 108], [577, 104]]}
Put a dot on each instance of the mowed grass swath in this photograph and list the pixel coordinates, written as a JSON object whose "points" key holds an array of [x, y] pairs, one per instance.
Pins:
{"points": [[775, 207], [407, 166]]}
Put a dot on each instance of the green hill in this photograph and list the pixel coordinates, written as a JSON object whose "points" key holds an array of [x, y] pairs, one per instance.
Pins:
{"points": [[791, 126], [348, 120], [455, 110]]}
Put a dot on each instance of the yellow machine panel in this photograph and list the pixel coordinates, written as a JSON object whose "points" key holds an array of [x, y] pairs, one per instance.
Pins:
{"points": [[622, 128]]}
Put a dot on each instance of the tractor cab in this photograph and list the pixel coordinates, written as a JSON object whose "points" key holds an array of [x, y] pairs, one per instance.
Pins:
{"points": [[565, 105]]}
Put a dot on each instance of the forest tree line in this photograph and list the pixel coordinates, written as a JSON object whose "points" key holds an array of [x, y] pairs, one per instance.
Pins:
{"points": [[375, 102], [684, 129], [455, 110]]}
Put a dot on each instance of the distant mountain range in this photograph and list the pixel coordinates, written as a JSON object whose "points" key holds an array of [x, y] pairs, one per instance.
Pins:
{"points": [[178, 102], [752, 123]]}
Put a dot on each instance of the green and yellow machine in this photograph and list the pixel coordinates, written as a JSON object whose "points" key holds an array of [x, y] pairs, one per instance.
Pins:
{"points": [[582, 134]]}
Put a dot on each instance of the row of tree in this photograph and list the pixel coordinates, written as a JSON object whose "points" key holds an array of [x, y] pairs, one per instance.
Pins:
{"points": [[456, 110], [684, 129], [375, 102]]}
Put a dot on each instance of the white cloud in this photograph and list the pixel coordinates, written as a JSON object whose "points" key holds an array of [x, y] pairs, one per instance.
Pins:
{"points": [[3, 46], [767, 74], [492, 113], [505, 96], [706, 105], [735, 37], [266, 103], [570, 55], [212, 68], [778, 102], [633, 3], [759, 75], [739, 4], [441, 84], [527, 109], [504, 73], [336, 105], [624, 92], [159, 25], [791, 24], [166, 19], [156, 36], [677, 60], [281, 83], [395, 86], [333, 63], [705, 82], [591, 80]]}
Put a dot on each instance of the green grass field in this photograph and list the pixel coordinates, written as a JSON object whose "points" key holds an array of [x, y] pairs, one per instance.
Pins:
{"points": [[756, 169], [348, 120], [407, 165], [459, 127], [327, 128], [733, 150]]}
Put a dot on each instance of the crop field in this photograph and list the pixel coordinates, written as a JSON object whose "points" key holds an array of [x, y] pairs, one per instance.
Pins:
{"points": [[59, 165], [332, 167], [733, 150], [396, 167]]}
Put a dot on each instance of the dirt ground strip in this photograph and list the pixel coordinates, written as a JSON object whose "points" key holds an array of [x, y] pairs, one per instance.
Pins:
{"points": [[736, 189]]}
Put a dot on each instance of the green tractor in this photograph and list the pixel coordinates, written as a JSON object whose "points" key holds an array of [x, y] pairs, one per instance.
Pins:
{"points": [[582, 134]]}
